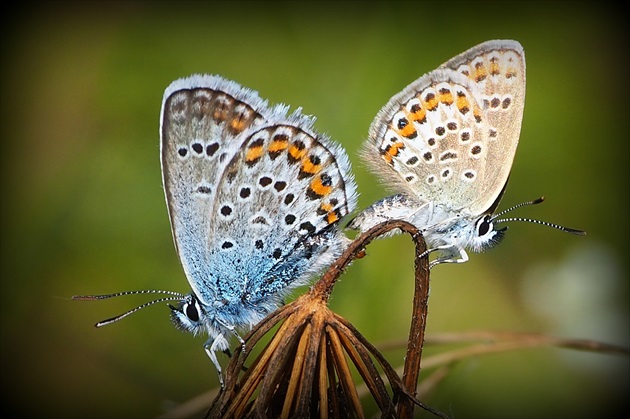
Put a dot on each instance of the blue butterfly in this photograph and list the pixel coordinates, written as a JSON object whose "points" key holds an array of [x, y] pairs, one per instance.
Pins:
{"points": [[254, 196]]}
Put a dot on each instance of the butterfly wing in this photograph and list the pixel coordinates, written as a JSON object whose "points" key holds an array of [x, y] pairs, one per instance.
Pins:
{"points": [[253, 194], [497, 70], [202, 120], [450, 136], [278, 202]]}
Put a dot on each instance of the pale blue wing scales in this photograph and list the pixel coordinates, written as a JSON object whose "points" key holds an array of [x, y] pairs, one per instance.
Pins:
{"points": [[202, 120]]}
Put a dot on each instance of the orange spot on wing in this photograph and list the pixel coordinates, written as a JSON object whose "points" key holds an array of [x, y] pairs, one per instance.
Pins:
{"points": [[332, 217], [462, 104], [477, 113], [326, 207], [296, 152], [481, 72], [395, 149], [319, 188], [495, 68], [392, 150], [419, 115], [278, 146], [430, 102], [407, 131], [253, 153], [511, 72], [238, 124], [446, 97], [309, 167]]}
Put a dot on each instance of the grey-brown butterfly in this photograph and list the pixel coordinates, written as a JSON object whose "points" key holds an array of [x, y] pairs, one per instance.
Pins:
{"points": [[447, 141]]}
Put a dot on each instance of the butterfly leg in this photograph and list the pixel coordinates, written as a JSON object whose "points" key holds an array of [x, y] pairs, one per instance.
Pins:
{"points": [[232, 329], [238, 337], [211, 348], [453, 254]]}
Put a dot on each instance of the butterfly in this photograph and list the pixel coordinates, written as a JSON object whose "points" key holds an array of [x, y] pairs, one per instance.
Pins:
{"points": [[254, 196], [448, 141]]}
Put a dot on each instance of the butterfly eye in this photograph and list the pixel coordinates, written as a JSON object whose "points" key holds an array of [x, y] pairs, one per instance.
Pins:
{"points": [[484, 225], [191, 311], [487, 234]]}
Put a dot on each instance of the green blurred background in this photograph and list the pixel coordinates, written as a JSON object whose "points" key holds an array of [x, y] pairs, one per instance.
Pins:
{"points": [[83, 209]]}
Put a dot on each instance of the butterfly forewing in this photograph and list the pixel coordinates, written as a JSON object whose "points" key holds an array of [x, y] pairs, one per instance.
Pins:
{"points": [[203, 118], [497, 70]]}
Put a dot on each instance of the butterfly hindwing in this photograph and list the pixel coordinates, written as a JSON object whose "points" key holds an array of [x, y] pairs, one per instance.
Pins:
{"points": [[277, 199], [436, 137]]}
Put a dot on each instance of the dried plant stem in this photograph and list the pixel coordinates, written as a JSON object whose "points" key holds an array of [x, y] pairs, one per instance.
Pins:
{"points": [[306, 368], [491, 342], [415, 341]]}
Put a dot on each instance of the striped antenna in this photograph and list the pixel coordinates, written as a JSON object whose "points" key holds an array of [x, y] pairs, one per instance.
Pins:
{"points": [[530, 220], [172, 296]]}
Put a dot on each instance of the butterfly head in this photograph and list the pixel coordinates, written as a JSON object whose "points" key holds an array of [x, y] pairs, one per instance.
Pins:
{"points": [[189, 315], [486, 234], [465, 232], [452, 236], [489, 233]]}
